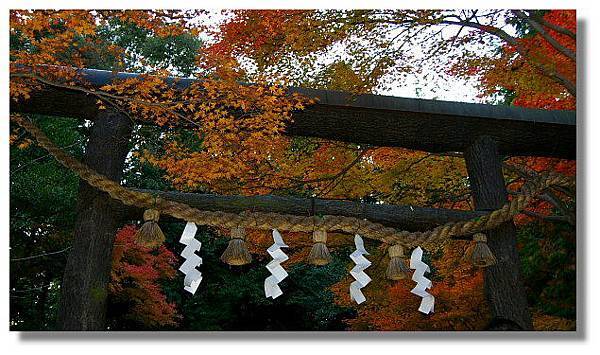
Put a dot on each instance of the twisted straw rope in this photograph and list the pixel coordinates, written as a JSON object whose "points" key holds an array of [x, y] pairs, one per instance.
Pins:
{"points": [[260, 220]]}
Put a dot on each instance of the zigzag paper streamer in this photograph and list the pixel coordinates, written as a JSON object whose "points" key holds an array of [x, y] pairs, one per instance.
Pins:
{"points": [[278, 273], [192, 261], [423, 283], [357, 272]]}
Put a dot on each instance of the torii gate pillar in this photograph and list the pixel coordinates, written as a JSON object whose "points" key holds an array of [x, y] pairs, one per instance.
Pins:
{"points": [[84, 290], [504, 287]]}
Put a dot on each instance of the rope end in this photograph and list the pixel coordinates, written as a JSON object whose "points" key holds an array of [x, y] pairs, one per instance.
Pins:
{"points": [[397, 269], [319, 254], [237, 253], [150, 235], [480, 254]]}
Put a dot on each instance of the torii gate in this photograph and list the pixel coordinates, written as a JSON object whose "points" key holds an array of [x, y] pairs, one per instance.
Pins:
{"points": [[482, 132]]}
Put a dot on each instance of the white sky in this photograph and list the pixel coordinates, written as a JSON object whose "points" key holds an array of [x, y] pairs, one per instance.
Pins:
{"points": [[452, 89], [412, 86]]}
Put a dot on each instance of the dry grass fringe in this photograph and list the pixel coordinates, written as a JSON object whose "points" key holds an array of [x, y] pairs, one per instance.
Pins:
{"points": [[397, 269], [319, 255], [150, 235], [237, 253], [480, 254]]}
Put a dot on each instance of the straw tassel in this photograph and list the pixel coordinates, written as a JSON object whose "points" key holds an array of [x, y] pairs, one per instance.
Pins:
{"points": [[150, 234], [319, 254], [480, 254], [397, 269], [237, 253]]}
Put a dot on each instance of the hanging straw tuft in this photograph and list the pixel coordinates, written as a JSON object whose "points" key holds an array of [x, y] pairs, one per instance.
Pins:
{"points": [[150, 234], [237, 253], [397, 269], [479, 253], [319, 254]]}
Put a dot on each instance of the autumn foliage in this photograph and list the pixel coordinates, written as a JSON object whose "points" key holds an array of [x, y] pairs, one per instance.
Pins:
{"points": [[135, 288], [459, 288], [224, 132], [529, 87], [459, 304]]}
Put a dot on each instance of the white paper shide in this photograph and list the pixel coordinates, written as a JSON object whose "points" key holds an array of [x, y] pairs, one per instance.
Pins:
{"points": [[362, 279], [278, 273], [423, 283], [192, 260]]}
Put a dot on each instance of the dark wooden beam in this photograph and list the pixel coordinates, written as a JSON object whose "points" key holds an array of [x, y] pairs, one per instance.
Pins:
{"points": [[428, 125], [410, 218]]}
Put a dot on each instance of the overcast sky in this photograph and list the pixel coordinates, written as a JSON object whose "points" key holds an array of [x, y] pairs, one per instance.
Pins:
{"points": [[413, 86]]}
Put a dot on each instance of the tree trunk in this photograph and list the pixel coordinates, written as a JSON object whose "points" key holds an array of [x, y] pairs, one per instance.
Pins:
{"points": [[503, 285], [87, 273]]}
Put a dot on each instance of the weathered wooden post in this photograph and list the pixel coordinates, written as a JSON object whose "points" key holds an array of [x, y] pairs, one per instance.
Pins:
{"points": [[87, 274], [504, 288]]}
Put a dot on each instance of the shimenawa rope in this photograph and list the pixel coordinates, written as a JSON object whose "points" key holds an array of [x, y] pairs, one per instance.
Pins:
{"points": [[283, 222]]}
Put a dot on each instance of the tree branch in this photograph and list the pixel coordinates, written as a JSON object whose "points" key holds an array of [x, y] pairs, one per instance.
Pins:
{"points": [[553, 27], [547, 218], [41, 255], [553, 42], [494, 31]]}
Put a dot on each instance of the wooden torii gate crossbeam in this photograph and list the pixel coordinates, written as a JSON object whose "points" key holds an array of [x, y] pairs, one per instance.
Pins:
{"points": [[385, 121], [482, 132]]}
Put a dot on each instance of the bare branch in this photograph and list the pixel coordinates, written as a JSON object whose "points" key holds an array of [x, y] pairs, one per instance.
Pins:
{"points": [[343, 172], [40, 255], [494, 31], [553, 27], [547, 218], [553, 42]]}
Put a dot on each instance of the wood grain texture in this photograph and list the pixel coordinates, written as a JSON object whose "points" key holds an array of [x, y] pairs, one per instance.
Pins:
{"points": [[427, 125], [504, 287], [82, 304]]}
